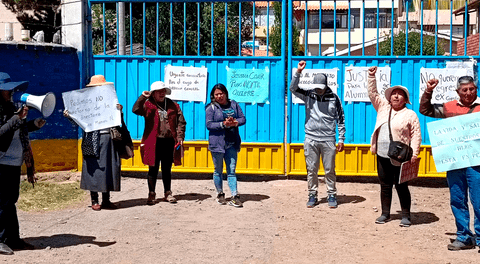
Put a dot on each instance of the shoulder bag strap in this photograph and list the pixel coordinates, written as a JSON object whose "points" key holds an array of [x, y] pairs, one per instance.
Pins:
{"points": [[389, 129]]}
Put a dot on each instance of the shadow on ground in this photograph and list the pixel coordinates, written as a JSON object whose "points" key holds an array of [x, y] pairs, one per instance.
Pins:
{"points": [[418, 218], [65, 240], [431, 182]]}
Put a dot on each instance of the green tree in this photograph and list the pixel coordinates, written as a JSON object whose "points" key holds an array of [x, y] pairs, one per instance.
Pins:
{"points": [[178, 36], [413, 45], [276, 33], [36, 15]]}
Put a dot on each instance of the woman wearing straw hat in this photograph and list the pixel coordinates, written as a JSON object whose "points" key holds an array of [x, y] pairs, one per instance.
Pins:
{"points": [[405, 128], [164, 133], [14, 150], [101, 162]]}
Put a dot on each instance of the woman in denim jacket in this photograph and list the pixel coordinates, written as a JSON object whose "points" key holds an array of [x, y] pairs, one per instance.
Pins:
{"points": [[223, 117]]}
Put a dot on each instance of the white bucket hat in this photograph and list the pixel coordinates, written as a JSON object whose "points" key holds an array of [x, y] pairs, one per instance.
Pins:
{"points": [[388, 92], [156, 86]]}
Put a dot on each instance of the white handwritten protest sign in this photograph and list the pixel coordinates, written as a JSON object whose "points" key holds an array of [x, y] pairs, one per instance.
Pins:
{"points": [[468, 65], [447, 83], [248, 85], [187, 83], [306, 80], [408, 171], [93, 108], [455, 142], [355, 86]]}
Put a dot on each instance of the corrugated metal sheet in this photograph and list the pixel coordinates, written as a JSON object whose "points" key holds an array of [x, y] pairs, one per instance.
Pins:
{"points": [[134, 74], [360, 116]]}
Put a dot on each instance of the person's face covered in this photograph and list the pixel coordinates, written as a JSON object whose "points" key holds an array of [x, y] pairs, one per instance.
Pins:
{"points": [[467, 93]]}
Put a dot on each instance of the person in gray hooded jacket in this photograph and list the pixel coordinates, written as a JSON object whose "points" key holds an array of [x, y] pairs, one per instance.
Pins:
{"points": [[324, 113]]}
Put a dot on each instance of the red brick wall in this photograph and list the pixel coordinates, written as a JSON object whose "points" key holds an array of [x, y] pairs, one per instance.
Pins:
{"points": [[472, 45]]}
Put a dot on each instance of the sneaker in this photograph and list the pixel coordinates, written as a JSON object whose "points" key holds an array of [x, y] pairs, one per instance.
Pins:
{"points": [[221, 199], [458, 245], [312, 201], [169, 197], [235, 201], [382, 219], [332, 201], [151, 198], [405, 222]]}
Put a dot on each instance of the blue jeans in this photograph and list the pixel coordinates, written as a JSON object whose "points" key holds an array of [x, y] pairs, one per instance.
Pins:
{"points": [[462, 183], [230, 157]]}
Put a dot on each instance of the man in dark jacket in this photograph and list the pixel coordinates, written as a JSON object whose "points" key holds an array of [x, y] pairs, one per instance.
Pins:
{"points": [[14, 150]]}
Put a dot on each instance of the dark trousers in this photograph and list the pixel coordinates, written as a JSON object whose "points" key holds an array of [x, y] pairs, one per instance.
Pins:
{"points": [[163, 153], [388, 175], [94, 197], [9, 192]]}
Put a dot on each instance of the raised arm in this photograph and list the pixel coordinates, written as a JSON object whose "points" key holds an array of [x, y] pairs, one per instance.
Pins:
{"points": [[426, 106]]}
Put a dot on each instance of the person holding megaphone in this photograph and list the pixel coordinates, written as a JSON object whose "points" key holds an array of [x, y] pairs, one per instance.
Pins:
{"points": [[14, 150]]}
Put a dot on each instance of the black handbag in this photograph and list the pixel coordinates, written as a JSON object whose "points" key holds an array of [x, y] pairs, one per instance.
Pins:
{"points": [[124, 146], [397, 150]]}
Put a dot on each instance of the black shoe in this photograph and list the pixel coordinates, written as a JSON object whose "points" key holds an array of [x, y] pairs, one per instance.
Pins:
{"points": [[20, 244], [235, 201], [5, 250], [109, 205], [221, 199]]}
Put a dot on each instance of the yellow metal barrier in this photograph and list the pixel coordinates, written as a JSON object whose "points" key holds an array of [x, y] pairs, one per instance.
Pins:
{"points": [[356, 160], [254, 158]]}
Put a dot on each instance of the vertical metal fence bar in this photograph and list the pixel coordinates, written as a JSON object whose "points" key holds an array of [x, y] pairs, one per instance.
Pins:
{"points": [[465, 28], [363, 27], [198, 29], [349, 27], [156, 25], [421, 28], [436, 28], [131, 31], [184, 28], [305, 31], [451, 26], [118, 29], [240, 29], [171, 28], [392, 20], [407, 5], [144, 28], [253, 53], [104, 30], [211, 26], [335, 28], [320, 29], [226, 27], [378, 27], [268, 27], [478, 33]]}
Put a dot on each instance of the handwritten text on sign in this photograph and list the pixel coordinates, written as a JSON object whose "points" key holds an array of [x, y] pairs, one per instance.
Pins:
{"points": [[186, 83], [93, 108], [306, 80], [355, 86], [455, 142], [447, 83], [248, 85]]}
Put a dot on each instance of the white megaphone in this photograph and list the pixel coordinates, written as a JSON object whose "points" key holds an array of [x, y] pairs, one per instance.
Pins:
{"points": [[44, 103]]}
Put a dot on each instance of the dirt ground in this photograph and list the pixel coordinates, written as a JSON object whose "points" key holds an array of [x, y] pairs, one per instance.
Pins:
{"points": [[274, 226]]}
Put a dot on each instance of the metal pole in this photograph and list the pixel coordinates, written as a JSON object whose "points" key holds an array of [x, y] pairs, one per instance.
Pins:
{"points": [[121, 28]]}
